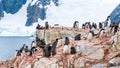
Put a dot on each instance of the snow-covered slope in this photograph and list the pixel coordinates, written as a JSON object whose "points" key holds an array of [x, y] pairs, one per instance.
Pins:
{"points": [[66, 12]]}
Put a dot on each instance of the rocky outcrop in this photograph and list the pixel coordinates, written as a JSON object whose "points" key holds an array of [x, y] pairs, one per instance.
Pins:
{"points": [[95, 53]]}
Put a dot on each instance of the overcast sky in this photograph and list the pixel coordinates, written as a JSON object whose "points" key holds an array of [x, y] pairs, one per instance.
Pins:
{"points": [[65, 14]]}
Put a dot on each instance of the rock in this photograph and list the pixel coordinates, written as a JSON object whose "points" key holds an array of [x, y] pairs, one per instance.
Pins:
{"points": [[46, 63], [115, 61], [26, 65], [38, 64], [78, 63], [92, 52], [99, 65], [51, 34], [113, 54], [70, 63], [115, 67], [60, 64]]}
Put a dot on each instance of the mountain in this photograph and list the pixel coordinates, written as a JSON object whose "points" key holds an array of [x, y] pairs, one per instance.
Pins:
{"points": [[115, 15], [20, 17], [36, 9]]}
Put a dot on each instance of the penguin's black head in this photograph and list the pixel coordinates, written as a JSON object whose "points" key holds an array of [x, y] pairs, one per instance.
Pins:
{"points": [[57, 39]]}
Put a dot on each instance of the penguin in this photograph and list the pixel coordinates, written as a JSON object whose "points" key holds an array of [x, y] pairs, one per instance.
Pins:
{"points": [[73, 50], [46, 25], [78, 37], [89, 25], [53, 49], [108, 21], [17, 53], [60, 41], [100, 25], [22, 48], [94, 25], [38, 27], [65, 49], [26, 49], [116, 28], [76, 24], [67, 41], [83, 26], [90, 35], [102, 33], [47, 51], [33, 48]]}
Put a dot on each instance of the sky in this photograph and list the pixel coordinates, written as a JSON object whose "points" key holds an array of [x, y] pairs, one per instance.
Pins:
{"points": [[65, 14]]}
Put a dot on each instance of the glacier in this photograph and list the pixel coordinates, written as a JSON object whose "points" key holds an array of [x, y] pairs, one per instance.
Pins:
{"points": [[115, 15], [33, 10]]}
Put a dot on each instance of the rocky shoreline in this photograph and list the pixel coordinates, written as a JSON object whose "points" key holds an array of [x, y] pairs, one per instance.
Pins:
{"points": [[95, 53]]}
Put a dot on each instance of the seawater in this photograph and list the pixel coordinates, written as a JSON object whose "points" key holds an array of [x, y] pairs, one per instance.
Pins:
{"points": [[9, 44]]}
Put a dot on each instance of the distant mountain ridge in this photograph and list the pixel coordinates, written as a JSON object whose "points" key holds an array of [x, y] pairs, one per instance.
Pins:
{"points": [[115, 15], [36, 9]]}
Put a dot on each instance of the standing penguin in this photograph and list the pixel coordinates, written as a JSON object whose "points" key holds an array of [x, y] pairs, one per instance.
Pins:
{"points": [[102, 33], [90, 35], [26, 49], [65, 49], [108, 21], [46, 25], [38, 27], [83, 26], [116, 28], [53, 49], [33, 46], [76, 24], [73, 50], [78, 37], [67, 41], [47, 51], [22, 48], [100, 25], [17, 53]]}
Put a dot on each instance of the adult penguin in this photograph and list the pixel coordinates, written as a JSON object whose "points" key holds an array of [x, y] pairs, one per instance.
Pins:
{"points": [[73, 50], [53, 49], [100, 25], [76, 24], [78, 37], [26, 49], [47, 51], [33, 46], [67, 41], [22, 48], [65, 49], [17, 53], [83, 26], [46, 25], [38, 27], [90, 35]]}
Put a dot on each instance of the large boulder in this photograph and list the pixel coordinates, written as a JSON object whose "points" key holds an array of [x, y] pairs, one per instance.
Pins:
{"points": [[46, 63], [92, 52], [78, 63], [100, 65], [115, 61]]}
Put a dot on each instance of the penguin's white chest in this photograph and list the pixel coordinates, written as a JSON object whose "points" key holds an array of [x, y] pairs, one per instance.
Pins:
{"points": [[65, 49], [90, 36]]}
